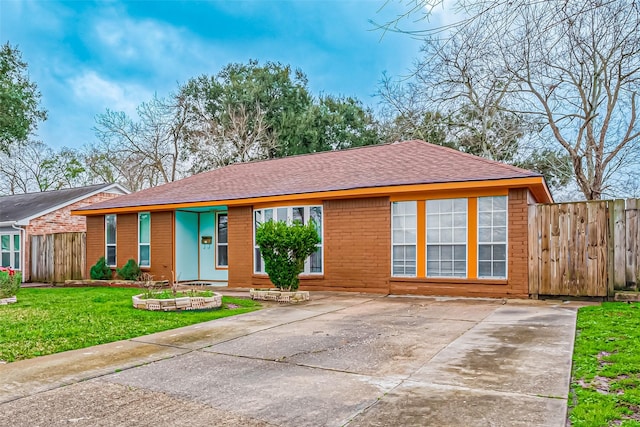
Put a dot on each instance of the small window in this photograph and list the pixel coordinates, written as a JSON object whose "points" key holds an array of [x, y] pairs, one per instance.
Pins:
{"points": [[222, 242], [447, 238], [110, 238], [492, 237], [144, 239], [403, 238], [10, 251]]}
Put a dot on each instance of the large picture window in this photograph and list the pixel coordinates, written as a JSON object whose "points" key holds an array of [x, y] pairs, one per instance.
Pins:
{"points": [[313, 265], [222, 241], [403, 238], [10, 251], [492, 237], [110, 238], [144, 239], [447, 238]]}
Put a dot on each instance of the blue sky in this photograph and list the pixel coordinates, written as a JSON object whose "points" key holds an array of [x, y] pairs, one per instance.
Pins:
{"points": [[88, 56]]}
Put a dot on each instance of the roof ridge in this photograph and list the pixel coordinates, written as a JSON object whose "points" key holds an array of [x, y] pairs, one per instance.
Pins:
{"points": [[480, 158]]}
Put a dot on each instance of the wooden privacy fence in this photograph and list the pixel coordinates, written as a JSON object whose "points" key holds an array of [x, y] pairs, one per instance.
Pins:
{"points": [[584, 248], [58, 257]]}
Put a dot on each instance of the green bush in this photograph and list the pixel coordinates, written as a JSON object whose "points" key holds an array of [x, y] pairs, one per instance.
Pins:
{"points": [[9, 282], [100, 271], [130, 271], [284, 249]]}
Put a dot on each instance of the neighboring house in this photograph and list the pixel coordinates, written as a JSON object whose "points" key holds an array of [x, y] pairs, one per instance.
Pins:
{"points": [[402, 218], [30, 214]]}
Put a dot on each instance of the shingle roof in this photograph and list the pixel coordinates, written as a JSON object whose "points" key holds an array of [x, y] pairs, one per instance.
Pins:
{"points": [[400, 163], [22, 206]]}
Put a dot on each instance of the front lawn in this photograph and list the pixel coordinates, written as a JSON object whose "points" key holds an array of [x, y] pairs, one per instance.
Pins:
{"points": [[605, 387], [50, 320]]}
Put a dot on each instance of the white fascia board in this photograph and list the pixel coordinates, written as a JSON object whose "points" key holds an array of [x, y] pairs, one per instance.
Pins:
{"points": [[105, 189]]}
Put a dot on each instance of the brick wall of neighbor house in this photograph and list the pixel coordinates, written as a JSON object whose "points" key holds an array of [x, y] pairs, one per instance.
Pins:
{"points": [[95, 242], [516, 285], [59, 221], [161, 245], [240, 238]]}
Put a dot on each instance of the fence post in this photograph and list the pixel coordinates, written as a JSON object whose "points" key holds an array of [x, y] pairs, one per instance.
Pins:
{"points": [[619, 245]]}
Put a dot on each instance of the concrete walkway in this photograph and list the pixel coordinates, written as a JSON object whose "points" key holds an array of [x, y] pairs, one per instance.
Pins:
{"points": [[340, 359]]}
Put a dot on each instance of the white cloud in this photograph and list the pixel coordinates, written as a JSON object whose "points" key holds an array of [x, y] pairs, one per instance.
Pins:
{"points": [[98, 93]]}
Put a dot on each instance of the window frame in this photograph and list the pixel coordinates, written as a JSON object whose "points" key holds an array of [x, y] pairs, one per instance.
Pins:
{"points": [[140, 243], [218, 244], [13, 252], [440, 244], [289, 213], [115, 242], [404, 244], [492, 243]]}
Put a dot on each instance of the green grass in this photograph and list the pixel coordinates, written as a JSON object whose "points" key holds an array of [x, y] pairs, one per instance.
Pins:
{"points": [[50, 320], [605, 387]]}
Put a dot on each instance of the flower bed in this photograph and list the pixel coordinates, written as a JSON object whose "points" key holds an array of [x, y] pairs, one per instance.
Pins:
{"points": [[180, 303], [279, 296], [117, 283]]}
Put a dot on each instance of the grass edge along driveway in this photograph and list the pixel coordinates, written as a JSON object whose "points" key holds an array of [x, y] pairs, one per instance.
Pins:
{"points": [[605, 385], [51, 320]]}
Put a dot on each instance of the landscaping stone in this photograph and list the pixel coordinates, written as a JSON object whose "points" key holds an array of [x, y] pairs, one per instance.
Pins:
{"points": [[278, 295], [181, 303]]}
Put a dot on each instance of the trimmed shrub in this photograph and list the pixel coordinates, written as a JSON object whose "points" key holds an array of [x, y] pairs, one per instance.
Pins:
{"points": [[9, 282], [284, 249], [100, 271], [129, 271]]}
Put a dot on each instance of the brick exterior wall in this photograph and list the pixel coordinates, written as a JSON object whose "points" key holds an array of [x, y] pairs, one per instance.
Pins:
{"points": [[95, 243], [162, 225], [518, 255], [517, 283], [59, 221], [127, 242], [240, 238], [356, 247]]}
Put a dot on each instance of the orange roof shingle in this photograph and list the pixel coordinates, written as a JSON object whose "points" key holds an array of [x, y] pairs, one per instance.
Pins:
{"points": [[400, 163]]}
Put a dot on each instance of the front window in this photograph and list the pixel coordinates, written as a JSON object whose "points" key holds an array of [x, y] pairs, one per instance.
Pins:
{"points": [[492, 237], [447, 238], [144, 239], [10, 251], [222, 242], [313, 265], [110, 238], [403, 238]]}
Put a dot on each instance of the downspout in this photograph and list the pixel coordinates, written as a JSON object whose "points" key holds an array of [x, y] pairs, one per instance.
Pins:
{"points": [[23, 237]]}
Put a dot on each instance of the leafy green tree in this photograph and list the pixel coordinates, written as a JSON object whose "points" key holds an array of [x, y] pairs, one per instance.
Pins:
{"points": [[252, 111], [285, 248], [20, 109]]}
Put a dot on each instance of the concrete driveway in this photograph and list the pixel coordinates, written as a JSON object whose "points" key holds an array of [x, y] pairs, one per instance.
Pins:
{"points": [[340, 359]]}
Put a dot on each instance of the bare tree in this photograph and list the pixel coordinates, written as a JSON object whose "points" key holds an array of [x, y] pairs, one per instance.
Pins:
{"points": [[240, 135], [573, 67], [33, 167], [142, 153]]}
